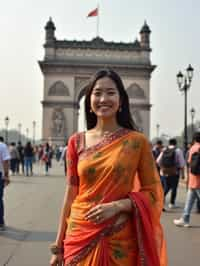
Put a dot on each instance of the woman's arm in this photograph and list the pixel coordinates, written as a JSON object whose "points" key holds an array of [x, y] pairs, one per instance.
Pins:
{"points": [[70, 194], [105, 211]]}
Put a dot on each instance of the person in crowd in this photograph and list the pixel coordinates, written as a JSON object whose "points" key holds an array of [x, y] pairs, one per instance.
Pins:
{"points": [[63, 157], [4, 178], [46, 157], [28, 159], [57, 153], [14, 158], [157, 149], [20, 164], [36, 153], [40, 152], [193, 192], [188, 170], [171, 162], [113, 197]]}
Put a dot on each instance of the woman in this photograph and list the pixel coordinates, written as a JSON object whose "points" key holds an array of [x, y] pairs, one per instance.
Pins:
{"points": [[113, 199]]}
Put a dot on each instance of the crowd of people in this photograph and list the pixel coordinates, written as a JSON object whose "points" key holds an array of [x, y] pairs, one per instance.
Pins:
{"points": [[172, 166], [18, 159], [23, 157]]}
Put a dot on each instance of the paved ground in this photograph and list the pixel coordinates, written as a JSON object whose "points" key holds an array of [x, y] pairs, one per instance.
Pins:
{"points": [[32, 210]]}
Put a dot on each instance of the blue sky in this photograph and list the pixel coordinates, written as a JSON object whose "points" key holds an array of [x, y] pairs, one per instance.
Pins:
{"points": [[175, 41]]}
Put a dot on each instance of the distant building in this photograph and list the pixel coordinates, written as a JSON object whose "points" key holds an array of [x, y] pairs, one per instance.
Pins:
{"points": [[67, 66]]}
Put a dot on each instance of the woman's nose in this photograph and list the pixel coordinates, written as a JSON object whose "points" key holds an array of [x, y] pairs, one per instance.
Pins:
{"points": [[103, 97]]}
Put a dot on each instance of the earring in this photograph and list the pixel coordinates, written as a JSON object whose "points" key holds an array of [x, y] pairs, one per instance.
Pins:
{"points": [[120, 109], [91, 111]]}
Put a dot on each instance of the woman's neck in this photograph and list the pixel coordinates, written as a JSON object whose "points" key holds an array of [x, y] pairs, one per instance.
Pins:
{"points": [[103, 126]]}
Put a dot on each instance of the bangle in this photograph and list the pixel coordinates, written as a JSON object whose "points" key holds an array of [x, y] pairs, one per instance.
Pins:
{"points": [[55, 249]]}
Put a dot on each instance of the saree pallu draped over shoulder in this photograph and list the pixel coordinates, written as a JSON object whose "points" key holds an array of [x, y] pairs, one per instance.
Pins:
{"points": [[120, 166]]}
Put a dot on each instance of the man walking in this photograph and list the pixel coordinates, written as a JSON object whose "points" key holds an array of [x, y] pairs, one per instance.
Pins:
{"points": [[194, 182], [4, 177], [171, 162]]}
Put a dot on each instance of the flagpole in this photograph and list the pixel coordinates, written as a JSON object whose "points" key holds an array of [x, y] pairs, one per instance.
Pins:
{"points": [[98, 13]]}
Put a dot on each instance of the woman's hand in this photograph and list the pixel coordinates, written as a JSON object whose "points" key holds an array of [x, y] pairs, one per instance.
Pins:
{"points": [[57, 260], [102, 212]]}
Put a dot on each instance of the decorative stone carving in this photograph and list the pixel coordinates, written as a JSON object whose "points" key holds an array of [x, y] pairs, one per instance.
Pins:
{"points": [[58, 123], [135, 91], [58, 89]]}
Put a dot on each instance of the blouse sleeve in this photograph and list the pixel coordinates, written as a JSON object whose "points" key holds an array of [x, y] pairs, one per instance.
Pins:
{"points": [[72, 162]]}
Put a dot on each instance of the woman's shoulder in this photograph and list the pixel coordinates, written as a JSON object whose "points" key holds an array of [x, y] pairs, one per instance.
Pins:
{"points": [[76, 140], [138, 136], [75, 135]]}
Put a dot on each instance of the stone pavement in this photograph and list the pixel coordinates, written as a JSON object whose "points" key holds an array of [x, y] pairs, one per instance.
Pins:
{"points": [[32, 211]]}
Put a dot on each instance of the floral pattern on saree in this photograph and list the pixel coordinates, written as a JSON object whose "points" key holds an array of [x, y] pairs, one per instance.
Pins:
{"points": [[107, 172]]}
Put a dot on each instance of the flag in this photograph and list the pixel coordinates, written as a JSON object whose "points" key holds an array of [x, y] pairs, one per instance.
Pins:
{"points": [[93, 13]]}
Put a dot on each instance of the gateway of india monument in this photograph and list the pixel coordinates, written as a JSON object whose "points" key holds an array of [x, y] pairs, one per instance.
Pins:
{"points": [[67, 67]]}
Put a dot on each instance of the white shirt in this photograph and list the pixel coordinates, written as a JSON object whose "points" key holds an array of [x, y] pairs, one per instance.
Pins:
{"points": [[4, 155]]}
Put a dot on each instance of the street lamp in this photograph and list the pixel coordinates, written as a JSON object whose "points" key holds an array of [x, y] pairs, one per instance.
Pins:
{"points": [[34, 124], [192, 112], [157, 130], [27, 131], [19, 130], [6, 124], [184, 83]]}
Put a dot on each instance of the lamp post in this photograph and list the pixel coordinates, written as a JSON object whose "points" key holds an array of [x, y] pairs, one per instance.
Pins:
{"points": [[7, 120], [157, 130], [27, 131], [192, 112], [184, 83], [34, 124], [19, 130]]}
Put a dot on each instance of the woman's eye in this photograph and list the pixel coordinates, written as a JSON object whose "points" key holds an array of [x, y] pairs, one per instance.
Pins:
{"points": [[111, 93], [97, 93]]}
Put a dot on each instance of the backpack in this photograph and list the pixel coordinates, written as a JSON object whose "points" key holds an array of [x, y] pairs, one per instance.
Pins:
{"points": [[168, 162], [195, 163]]}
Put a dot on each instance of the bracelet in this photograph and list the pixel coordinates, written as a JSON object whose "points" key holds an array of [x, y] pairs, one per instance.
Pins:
{"points": [[55, 250]]}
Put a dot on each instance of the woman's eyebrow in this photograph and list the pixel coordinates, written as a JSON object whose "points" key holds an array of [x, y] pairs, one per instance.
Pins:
{"points": [[102, 89]]}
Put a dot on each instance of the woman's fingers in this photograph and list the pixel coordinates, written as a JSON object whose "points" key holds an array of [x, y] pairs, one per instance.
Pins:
{"points": [[93, 212], [94, 209]]}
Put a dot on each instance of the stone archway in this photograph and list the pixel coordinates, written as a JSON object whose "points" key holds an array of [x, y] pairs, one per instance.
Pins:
{"points": [[73, 63]]}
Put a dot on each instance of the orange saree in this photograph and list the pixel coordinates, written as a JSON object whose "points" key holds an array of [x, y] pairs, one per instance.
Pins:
{"points": [[119, 167]]}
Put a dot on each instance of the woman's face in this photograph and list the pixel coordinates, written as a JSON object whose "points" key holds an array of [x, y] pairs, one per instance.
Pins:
{"points": [[105, 98]]}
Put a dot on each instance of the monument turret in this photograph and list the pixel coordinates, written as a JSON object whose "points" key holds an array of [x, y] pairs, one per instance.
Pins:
{"points": [[145, 36], [50, 31]]}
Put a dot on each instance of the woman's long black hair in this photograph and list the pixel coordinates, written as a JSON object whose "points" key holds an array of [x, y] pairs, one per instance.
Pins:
{"points": [[124, 118]]}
